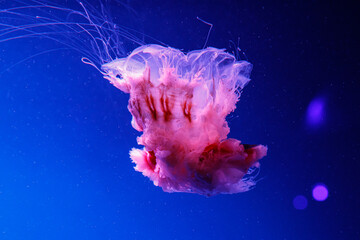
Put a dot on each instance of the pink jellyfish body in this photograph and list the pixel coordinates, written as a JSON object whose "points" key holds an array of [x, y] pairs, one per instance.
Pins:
{"points": [[180, 103]]}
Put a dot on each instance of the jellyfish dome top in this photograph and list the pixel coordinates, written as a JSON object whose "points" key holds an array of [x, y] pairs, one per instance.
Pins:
{"points": [[180, 103]]}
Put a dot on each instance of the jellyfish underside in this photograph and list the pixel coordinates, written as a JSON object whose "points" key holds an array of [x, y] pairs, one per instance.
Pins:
{"points": [[180, 103]]}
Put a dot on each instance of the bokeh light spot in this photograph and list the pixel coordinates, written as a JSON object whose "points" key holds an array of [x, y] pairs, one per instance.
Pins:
{"points": [[320, 192], [300, 202], [316, 112]]}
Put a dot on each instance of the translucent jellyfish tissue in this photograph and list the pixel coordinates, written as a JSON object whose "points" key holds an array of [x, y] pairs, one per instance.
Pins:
{"points": [[180, 103]]}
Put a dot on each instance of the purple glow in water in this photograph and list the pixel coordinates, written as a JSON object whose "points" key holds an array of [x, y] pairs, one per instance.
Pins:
{"points": [[320, 192], [316, 112], [300, 202]]}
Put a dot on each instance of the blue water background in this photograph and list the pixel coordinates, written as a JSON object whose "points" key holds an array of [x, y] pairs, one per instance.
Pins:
{"points": [[65, 132]]}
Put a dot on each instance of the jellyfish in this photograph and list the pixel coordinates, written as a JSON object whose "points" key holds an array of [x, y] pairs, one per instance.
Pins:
{"points": [[179, 101]]}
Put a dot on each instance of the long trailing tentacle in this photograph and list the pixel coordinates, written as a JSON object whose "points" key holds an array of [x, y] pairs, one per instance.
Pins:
{"points": [[88, 31]]}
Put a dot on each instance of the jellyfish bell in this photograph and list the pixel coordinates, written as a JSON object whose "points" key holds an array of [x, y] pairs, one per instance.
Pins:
{"points": [[180, 103]]}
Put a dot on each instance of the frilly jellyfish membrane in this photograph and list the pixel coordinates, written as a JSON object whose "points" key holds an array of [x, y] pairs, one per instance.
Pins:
{"points": [[179, 101]]}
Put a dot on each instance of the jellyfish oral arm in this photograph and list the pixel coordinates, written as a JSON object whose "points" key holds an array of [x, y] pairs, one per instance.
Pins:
{"points": [[180, 103]]}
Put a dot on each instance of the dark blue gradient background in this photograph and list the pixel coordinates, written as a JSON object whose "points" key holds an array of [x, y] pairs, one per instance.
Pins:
{"points": [[65, 132]]}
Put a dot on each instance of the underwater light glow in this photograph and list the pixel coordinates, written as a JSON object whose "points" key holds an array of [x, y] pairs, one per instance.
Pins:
{"points": [[320, 192], [316, 112], [300, 202]]}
